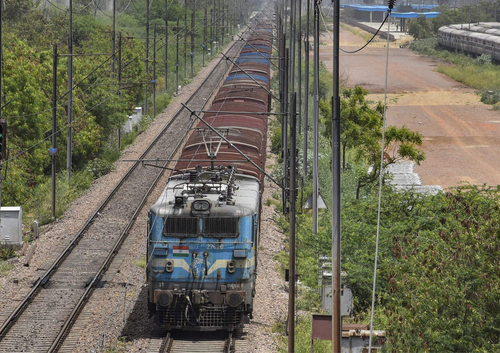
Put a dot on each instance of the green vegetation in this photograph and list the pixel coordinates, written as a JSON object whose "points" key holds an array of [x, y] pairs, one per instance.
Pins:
{"points": [[6, 252], [142, 262], [438, 273]]}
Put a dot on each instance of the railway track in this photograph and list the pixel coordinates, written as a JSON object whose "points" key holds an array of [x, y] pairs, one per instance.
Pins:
{"points": [[218, 342], [44, 318]]}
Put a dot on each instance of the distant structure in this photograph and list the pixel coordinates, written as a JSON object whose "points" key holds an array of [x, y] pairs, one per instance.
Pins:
{"points": [[132, 120], [377, 13], [480, 38]]}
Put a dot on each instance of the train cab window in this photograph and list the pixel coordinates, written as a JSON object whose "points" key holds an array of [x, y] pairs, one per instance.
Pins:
{"points": [[181, 227], [220, 227]]}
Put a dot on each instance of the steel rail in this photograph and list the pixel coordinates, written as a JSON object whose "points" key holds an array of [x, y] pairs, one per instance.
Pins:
{"points": [[166, 343]]}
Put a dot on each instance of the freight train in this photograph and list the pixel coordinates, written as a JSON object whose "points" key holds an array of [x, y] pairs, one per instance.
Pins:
{"points": [[203, 231], [475, 38]]}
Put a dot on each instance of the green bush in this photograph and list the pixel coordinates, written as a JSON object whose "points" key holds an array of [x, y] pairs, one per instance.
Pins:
{"points": [[162, 101], [482, 60], [490, 97], [99, 167], [276, 139], [6, 252], [303, 333]]}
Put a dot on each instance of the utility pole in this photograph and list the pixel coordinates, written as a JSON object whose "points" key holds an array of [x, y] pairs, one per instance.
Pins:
{"points": [[204, 45], [336, 268], [292, 44], [306, 91], [177, 60], [292, 191], [192, 38], [69, 161], [284, 125], [154, 71], [53, 151], [211, 31], [315, 195], [166, 45], [299, 66], [113, 37], [119, 79], [185, 39], [119, 63], [1, 103], [147, 59], [222, 19]]}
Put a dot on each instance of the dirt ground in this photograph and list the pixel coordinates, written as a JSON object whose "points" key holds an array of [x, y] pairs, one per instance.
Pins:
{"points": [[461, 135]]}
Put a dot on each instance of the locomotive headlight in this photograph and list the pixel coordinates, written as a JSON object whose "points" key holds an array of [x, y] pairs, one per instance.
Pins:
{"points": [[169, 266], [231, 266], [163, 297], [234, 299], [201, 205]]}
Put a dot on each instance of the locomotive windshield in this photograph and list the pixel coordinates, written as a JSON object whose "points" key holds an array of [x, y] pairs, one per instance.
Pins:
{"points": [[192, 227]]}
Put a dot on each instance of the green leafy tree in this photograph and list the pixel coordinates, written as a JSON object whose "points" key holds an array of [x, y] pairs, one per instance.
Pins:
{"points": [[358, 119], [400, 144], [27, 111], [361, 131], [420, 28]]}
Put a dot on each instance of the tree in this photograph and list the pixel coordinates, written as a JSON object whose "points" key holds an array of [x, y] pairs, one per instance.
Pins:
{"points": [[443, 276], [357, 118], [361, 131], [420, 28], [400, 144]]}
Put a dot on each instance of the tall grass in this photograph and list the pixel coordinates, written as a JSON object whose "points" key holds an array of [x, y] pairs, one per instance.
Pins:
{"points": [[479, 73]]}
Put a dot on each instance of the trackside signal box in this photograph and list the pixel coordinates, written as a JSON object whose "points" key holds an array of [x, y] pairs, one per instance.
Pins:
{"points": [[11, 226]]}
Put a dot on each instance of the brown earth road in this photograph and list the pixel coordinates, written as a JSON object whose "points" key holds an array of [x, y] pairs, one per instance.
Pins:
{"points": [[461, 135]]}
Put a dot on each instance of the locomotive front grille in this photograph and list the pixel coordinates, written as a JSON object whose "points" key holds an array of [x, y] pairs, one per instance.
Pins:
{"points": [[200, 317]]}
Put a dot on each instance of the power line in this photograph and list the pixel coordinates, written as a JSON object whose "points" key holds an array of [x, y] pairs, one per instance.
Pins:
{"points": [[359, 49]]}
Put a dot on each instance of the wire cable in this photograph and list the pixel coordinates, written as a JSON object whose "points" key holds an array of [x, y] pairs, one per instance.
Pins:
{"points": [[57, 7], [380, 183], [100, 10], [361, 48]]}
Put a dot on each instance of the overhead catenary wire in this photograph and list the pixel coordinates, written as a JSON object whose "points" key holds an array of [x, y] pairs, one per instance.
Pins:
{"points": [[53, 5]]}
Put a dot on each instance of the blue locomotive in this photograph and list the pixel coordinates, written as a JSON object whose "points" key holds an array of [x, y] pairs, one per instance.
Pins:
{"points": [[202, 245]]}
